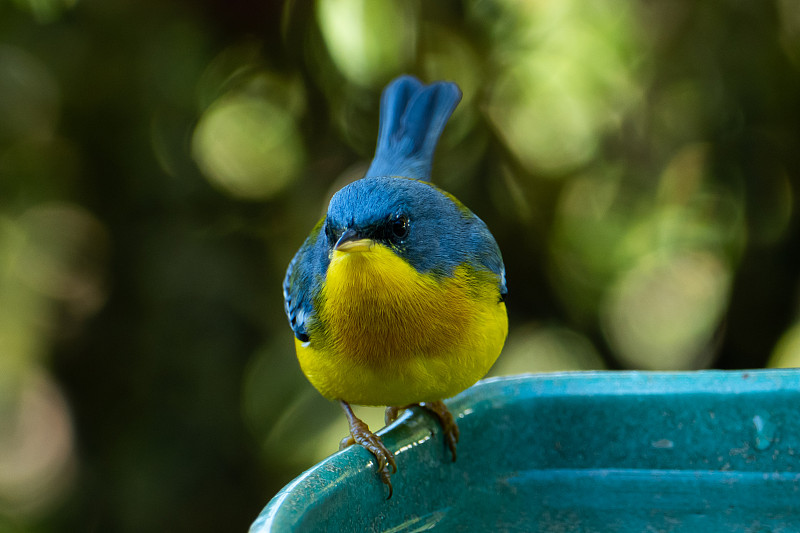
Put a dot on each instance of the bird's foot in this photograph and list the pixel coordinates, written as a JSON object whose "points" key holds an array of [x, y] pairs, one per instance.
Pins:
{"points": [[448, 423], [361, 434], [392, 412]]}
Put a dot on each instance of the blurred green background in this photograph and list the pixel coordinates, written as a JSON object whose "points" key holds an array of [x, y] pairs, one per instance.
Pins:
{"points": [[160, 163]]}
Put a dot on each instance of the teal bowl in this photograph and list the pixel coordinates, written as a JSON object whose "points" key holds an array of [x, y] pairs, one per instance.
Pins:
{"points": [[576, 452]]}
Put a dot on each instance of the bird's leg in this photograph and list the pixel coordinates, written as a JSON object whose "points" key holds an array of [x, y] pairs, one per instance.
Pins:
{"points": [[360, 434], [447, 421]]}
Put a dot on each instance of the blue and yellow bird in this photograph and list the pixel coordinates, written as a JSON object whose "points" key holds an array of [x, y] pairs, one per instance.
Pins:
{"points": [[397, 297]]}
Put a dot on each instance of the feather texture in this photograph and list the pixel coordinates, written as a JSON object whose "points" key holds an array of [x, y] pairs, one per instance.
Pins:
{"points": [[387, 334], [413, 117]]}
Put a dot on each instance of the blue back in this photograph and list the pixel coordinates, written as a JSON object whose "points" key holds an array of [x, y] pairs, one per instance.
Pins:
{"points": [[413, 117]]}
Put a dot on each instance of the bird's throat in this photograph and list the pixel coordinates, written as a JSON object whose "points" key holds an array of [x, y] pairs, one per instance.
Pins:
{"points": [[373, 277]]}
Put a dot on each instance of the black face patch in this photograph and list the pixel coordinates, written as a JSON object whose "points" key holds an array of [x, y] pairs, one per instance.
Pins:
{"points": [[331, 233]]}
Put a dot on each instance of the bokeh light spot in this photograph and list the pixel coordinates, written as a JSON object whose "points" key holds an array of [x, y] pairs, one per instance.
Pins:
{"points": [[550, 103], [541, 119], [532, 348], [368, 41], [52, 278], [787, 351], [248, 146], [66, 255], [662, 314], [36, 446]]}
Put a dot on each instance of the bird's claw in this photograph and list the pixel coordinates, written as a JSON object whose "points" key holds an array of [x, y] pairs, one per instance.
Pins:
{"points": [[392, 412], [387, 466], [373, 443], [448, 423], [361, 434]]}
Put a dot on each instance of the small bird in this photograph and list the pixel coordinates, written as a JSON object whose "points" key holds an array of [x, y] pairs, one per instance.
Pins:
{"points": [[397, 297]]}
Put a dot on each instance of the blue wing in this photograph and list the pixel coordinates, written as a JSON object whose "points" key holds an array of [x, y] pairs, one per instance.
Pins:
{"points": [[303, 281], [413, 117], [487, 254]]}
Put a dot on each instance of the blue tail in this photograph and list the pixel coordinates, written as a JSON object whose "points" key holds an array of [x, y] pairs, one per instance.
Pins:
{"points": [[413, 117]]}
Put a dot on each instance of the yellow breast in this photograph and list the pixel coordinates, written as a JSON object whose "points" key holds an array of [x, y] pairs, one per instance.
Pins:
{"points": [[386, 334]]}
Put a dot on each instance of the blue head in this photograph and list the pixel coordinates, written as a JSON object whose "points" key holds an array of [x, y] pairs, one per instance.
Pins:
{"points": [[428, 228]]}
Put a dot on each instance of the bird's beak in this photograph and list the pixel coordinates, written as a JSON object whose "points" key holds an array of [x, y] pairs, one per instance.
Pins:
{"points": [[350, 241]]}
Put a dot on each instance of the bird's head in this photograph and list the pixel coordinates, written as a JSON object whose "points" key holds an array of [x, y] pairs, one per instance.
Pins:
{"points": [[417, 221]]}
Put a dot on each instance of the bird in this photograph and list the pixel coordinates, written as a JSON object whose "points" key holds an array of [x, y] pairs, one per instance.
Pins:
{"points": [[397, 296]]}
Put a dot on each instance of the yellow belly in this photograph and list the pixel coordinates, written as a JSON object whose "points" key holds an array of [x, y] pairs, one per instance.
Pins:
{"points": [[387, 335]]}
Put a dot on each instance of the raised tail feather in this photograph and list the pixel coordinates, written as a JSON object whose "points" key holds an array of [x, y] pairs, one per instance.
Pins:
{"points": [[413, 117]]}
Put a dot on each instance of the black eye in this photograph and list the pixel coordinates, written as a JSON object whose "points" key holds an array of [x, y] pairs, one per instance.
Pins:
{"points": [[399, 227]]}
